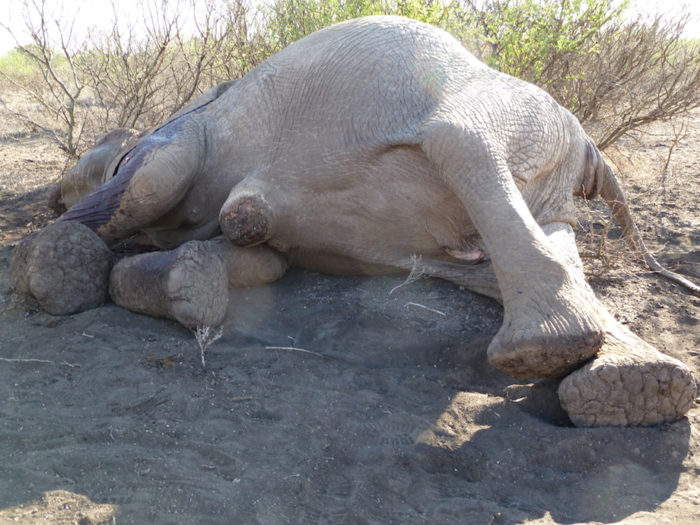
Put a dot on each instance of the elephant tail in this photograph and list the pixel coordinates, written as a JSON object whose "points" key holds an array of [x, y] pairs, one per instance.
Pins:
{"points": [[599, 179]]}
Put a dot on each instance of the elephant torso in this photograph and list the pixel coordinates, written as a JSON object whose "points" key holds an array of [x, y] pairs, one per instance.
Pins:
{"points": [[331, 130]]}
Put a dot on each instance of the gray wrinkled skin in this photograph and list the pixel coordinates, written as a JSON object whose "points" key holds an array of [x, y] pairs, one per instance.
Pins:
{"points": [[188, 284], [630, 382], [65, 267]]}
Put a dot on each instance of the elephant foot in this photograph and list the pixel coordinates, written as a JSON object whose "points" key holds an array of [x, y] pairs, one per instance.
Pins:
{"points": [[64, 267], [188, 285], [547, 342], [628, 383]]}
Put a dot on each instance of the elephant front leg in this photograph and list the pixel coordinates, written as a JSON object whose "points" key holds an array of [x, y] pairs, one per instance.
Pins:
{"points": [[246, 216], [628, 382], [552, 320], [64, 267]]}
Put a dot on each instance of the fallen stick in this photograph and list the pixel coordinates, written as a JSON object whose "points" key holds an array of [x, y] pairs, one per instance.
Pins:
{"points": [[45, 361], [295, 349]]}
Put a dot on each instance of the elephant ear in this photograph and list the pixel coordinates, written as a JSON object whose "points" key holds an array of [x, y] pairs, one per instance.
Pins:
{"points": [[146, 181], [149, 180]]}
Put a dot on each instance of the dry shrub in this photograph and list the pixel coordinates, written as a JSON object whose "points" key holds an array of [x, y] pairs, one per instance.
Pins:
{"points": [[139, 81], [640, 73], [48, 78], [614, 75], [127, 76]]}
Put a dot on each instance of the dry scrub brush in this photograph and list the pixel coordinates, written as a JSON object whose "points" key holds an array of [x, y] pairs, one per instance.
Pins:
{"points": [[614, 75], [127, 76], [641, 73], [141, 75], [52, 82]]}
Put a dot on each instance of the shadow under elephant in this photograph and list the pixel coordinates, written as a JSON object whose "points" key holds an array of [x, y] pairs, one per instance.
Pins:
{"points": [[457, 438]]}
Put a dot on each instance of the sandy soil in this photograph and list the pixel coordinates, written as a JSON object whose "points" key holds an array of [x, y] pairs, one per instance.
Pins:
{"points": [[396, 417]]}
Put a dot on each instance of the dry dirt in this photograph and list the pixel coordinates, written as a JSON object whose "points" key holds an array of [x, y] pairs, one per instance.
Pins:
{"points": [[396, 418]]}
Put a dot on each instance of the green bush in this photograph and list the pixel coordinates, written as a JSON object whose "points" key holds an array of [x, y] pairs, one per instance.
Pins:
{"points": [[529, 37], [18, 64], [290, 20]]}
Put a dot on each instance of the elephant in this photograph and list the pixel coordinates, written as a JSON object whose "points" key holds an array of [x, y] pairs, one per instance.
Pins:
{"points": [[372, 146]]}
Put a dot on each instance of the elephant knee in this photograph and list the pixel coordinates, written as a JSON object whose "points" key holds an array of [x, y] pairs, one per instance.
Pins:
{"points": [[245, 219]]}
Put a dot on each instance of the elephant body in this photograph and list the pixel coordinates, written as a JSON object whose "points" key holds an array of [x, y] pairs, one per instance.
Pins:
{"points": [[333, 132]]}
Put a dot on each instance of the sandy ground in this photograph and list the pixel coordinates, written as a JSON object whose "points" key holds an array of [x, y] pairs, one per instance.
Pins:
{"points": [[394, 418]]}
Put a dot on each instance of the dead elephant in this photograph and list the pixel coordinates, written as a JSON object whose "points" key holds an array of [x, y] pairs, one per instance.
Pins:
{"points": [[363, 148]]}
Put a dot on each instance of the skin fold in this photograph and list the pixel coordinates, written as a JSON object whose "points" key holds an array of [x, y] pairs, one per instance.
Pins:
{"points": [[381, 145]]}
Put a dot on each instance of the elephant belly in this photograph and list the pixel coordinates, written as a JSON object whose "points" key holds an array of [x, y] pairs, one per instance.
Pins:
{"points": [[370, 214]]}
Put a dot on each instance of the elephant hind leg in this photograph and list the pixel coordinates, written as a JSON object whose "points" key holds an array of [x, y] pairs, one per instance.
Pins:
{"points": [[629, 382], [187, 285], [190, 284], [551, 323]]}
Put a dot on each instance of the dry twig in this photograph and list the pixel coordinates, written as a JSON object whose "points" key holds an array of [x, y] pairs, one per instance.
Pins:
{"points": [[205, 335], [426, 308], [295, 349], [44, 361]]}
